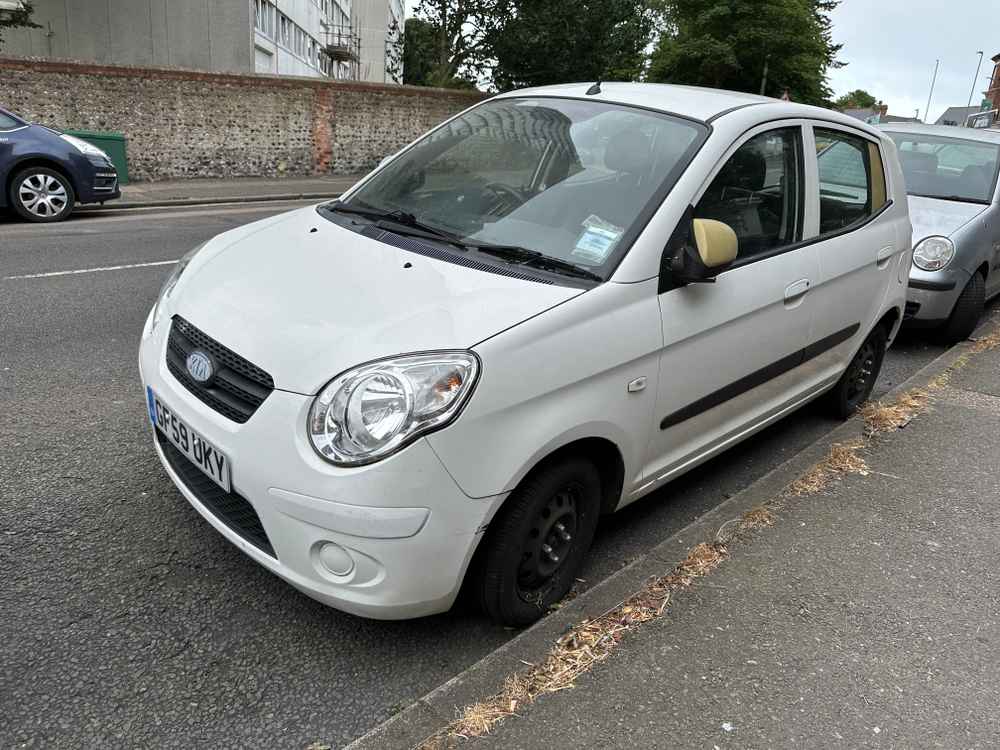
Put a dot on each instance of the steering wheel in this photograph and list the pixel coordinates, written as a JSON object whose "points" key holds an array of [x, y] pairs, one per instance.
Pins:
{"points": [[510, 198]]}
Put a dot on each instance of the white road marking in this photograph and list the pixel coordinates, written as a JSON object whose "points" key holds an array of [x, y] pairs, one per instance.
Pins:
{"points": [[89, 270]]}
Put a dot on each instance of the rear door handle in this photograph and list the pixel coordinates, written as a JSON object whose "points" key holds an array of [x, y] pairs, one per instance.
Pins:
{"points": [[796, 290], [884, 255]]}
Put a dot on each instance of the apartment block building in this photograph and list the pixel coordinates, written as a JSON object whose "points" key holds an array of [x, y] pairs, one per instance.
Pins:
{"points": [[319, 38]]}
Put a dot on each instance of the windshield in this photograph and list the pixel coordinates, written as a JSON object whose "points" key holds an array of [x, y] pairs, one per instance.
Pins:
{"points": [[951, 168], [564, 178]]}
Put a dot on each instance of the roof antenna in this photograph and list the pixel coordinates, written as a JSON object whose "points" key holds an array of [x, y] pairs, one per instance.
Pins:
{"points": [[594, 90]]}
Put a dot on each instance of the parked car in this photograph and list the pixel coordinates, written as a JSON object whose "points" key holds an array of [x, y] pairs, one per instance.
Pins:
{"points": [[951, 179], [497, 337], [44, 173]]}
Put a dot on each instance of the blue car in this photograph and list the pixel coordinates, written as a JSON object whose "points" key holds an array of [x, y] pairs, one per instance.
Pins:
{"points": [[44, 174]]}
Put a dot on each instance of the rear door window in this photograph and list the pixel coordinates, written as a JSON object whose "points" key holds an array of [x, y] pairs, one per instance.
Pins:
{"points": [[851, 185]]}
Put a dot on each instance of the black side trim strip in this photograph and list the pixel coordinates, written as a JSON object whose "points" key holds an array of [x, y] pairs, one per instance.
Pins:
{"points": [[932, 286], [761, 376]]}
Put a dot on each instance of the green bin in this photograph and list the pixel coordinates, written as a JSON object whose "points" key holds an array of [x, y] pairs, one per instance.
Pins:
{"points": [[113, 144]]}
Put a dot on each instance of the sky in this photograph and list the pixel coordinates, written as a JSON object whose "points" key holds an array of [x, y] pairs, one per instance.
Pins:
{"points": [[890, 47]]}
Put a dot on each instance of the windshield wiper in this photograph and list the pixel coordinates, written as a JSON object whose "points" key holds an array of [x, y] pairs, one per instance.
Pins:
{"points": [[398, 222], [526, 257]]}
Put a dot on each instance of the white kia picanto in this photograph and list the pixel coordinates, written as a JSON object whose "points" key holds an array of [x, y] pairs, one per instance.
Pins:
{"points": [[541, 311]]}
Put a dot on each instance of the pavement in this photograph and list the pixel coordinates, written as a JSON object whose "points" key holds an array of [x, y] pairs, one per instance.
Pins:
{"points": [[868, 615], [127, 621], [231, 190]]}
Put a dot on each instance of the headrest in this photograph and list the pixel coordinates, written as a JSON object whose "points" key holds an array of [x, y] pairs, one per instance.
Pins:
{"points": [[628, 152], [746, 169]]}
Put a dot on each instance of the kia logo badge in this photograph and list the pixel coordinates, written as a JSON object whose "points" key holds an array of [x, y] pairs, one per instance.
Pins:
{"points": [[200, 366]]}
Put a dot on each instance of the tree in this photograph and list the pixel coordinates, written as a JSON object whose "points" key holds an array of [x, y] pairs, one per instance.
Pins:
{"points": [[536, 42], [857, 99], [18, 17], [731, 43], [457, 51], [394, 46], [418, 51]]}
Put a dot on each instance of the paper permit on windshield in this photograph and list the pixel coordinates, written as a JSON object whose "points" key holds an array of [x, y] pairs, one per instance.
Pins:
{"points": [[597, 241]]}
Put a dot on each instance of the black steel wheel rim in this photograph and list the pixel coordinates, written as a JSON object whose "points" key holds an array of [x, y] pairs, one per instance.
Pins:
{"points": [[861, 374], [550, 539]]}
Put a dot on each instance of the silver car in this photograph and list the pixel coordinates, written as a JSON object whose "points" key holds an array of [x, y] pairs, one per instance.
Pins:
{"points": [[951, 183]]}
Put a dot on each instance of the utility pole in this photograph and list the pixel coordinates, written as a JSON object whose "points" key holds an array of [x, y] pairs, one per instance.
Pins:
{"points": [[927, 110], [974, 79], [763, 78]]}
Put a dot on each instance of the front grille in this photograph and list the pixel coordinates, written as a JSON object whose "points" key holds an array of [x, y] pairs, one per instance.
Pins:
{"points": [[911, 310], [238, 388], [229, 507]]}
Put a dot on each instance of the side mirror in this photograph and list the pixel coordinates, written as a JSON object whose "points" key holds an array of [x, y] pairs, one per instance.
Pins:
{"points": [[716, 242], [385, 161], [698, 248]]}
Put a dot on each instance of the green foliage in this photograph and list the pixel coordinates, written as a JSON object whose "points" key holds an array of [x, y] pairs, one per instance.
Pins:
{"points": [[727, 44], [17, 19], [857, 99], [534, 42], [421, 66], [454, 52]]}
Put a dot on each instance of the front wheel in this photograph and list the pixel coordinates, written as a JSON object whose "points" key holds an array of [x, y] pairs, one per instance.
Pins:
{"points": [[967, 311], [538, 542], [858, 380], [41, 194]]}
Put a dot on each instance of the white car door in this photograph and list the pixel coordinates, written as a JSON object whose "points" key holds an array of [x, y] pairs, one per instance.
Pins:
{"points": [[858, 242], [733, 349]]}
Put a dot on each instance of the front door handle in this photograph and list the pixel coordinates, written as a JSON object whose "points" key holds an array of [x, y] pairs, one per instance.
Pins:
{"points": [[884, 255], [796, 290]]}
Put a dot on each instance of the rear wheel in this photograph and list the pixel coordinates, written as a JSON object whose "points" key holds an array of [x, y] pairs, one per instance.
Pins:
{"points": [[967, 311], [538, 542], [858, 380], [41, 194]]}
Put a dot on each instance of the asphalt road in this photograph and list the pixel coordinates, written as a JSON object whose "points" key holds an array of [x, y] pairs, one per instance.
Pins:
{"points": [[127, 620]]}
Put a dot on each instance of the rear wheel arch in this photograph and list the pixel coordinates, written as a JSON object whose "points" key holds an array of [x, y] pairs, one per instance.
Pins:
{"points": [[890, 320]]}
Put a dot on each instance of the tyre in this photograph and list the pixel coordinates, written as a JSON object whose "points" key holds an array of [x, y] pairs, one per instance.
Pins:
{"points": [[41, 194], [858, 380], [538, 541], [967, 311]]}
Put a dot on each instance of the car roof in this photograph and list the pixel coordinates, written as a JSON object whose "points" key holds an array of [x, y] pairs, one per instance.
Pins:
{"points": [[986, 135], [694, 102]]}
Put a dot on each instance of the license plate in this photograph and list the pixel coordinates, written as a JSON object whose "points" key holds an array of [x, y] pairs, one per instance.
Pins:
{"points": [[201, 452]]}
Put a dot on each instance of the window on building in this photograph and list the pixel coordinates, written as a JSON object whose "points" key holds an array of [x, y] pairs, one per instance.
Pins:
{"points": [[757, 193], [263, 18], [284, 30]]}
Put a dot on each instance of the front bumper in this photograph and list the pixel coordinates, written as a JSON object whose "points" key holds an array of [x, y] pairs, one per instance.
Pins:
{"points": [[408, 530], [100, 183], [931, 295]]}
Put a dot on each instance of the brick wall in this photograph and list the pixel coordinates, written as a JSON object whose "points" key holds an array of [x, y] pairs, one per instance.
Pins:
{"points": [[191, 124]]}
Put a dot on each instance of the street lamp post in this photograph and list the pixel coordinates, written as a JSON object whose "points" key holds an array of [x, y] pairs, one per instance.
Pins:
{"points": [[927, 110], [974, 79]]}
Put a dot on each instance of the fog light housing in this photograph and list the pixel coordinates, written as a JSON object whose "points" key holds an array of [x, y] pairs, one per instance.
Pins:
{"points": [[336, 560]]}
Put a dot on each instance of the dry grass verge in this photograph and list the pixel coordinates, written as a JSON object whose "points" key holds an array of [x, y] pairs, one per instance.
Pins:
{"points": [[594, 640], [880, 417]]}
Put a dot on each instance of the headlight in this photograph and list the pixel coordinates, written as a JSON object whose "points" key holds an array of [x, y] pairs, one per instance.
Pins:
{"points": [[83, 147], [374, 410], [933, 253], [168, 287]]}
